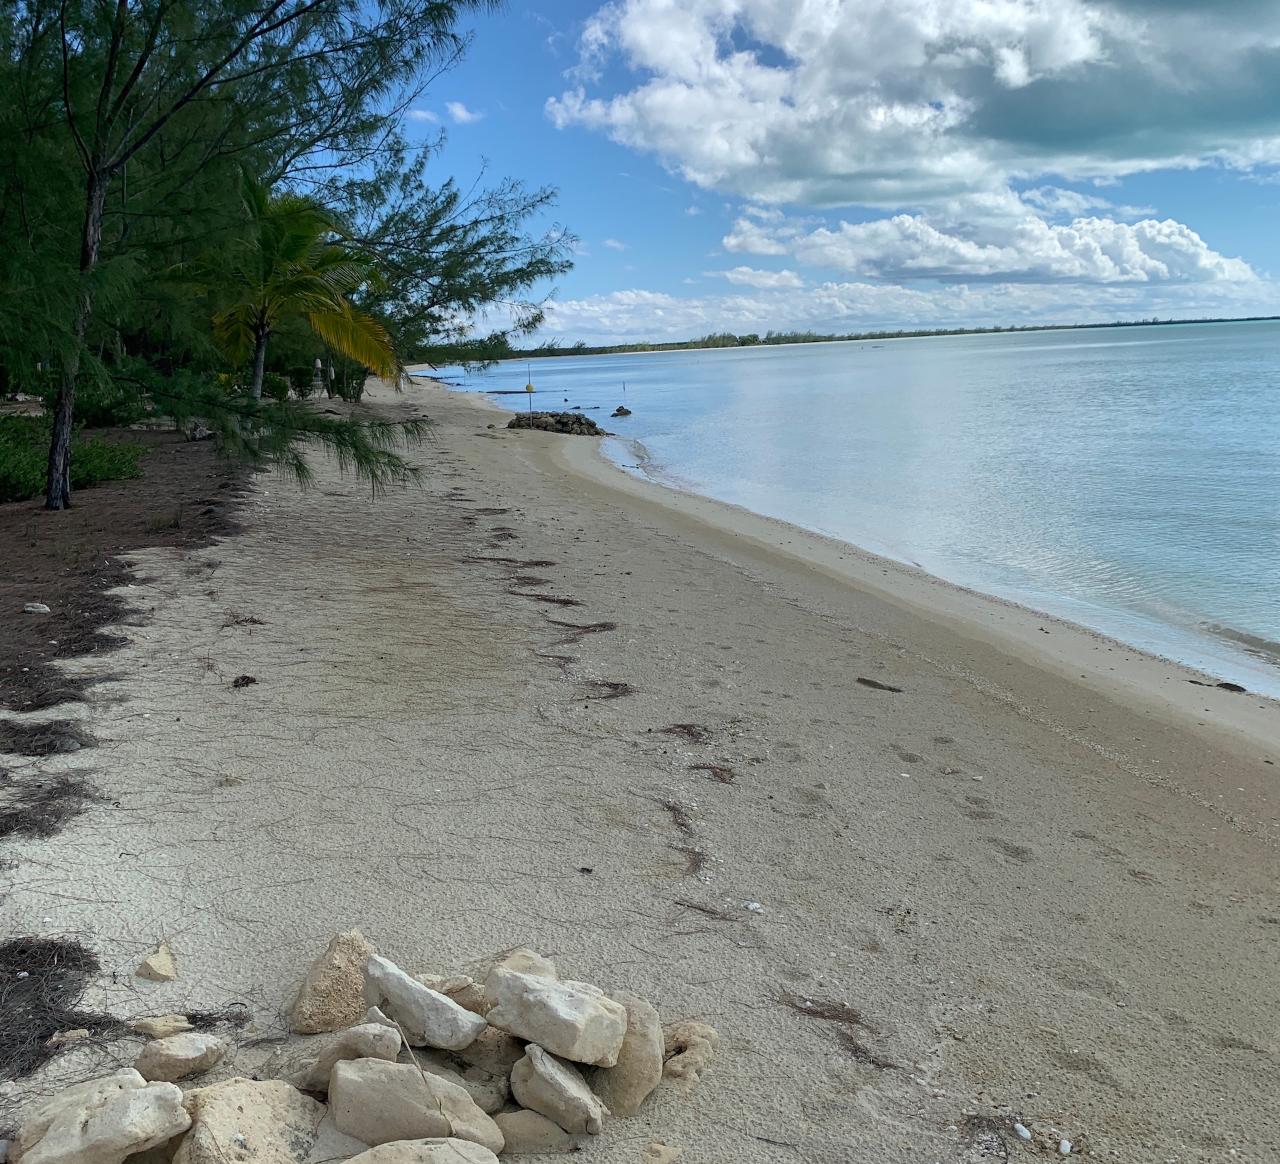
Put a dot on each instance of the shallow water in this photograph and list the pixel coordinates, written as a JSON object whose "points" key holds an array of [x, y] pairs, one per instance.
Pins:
{"points": [[1125, 479]]}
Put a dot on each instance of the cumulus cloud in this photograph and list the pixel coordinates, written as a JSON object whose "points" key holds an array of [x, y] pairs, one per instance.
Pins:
{"points": [[614, 245], [461, 114], [421, 115], [752, 277], [1087, 250], [898, 104]]}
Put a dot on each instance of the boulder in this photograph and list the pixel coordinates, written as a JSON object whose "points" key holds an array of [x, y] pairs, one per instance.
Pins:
{"points": [[523, 961], [426, 1152], [332, 994], [100, 1122], [177, 1056], [494, 1051], [160, 965], [464, 990], [249, 1121], [490, 1092], [571, 1019], [162, 1026], [556, 1090], [688, 1049], [367, 1041], [380, 1102], [626, 1085], [529, 1134], [427, 1017]]}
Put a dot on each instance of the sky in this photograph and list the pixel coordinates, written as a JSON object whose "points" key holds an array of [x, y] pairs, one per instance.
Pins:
{"points": [[846, 165]]}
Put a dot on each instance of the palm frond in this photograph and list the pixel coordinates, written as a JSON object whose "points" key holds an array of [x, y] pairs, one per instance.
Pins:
{"points": [[358, 337]]}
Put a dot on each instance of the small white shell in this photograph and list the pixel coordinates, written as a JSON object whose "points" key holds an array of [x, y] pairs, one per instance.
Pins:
{"points": [[1064, 1147], [1022, 1132]]}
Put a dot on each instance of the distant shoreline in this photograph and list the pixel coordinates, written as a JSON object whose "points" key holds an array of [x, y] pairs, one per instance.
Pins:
{"points": [[716, 341]]}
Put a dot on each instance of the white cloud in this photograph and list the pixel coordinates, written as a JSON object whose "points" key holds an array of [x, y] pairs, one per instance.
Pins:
{"points": [[840, 307], [614, 245], [421, 115], [898, 104], [1087, 250], [752, 277], [461, 114], [693, 211]]}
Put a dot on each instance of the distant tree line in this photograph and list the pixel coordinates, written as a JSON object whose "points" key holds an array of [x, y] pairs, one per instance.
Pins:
{"points": [[751, 339], [200, 199]]}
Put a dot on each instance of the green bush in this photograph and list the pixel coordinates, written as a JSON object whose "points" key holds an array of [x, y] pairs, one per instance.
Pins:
{"points": [[98, 405], [24, 457], [275, 386]]}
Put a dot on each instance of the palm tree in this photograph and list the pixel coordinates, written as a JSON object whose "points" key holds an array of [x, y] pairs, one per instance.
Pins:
{"points": [[291, 264]]}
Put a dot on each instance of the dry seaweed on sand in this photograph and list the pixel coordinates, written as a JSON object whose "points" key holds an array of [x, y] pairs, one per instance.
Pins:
{"points": [[679, 816], [609, 688], [695, 859], [695, 733], [41, 980], [876, 685], [708, 910], [579, 631], [718, 772], [38, 806], [552, 599], [52, 737]]}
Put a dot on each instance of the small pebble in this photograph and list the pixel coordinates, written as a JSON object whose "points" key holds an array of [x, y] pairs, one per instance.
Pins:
{"points": [[35, 608], [1022, 1132], [23, 974], [753, 906], [1065, 1147], [977, 778]]}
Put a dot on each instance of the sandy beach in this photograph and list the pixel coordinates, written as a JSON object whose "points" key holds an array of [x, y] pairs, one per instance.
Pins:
{"points": [[711, 759]]}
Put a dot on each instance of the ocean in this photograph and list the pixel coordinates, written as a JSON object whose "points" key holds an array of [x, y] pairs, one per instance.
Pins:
{"points": [[1125, 479]]}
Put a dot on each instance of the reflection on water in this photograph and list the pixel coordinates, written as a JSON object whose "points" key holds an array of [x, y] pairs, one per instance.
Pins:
{"points": [[1129, 481]]}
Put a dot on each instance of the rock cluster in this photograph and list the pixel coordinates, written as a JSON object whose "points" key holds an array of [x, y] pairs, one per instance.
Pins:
{"points": [[573, 423], [414, 1070]]}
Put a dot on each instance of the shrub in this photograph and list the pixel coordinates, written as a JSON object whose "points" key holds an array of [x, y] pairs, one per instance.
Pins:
{"points": [[99, 405], [275, 386], [24, 455]]}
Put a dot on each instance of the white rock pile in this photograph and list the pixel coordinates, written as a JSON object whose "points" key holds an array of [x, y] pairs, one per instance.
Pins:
{"points": [[419, 1070]]}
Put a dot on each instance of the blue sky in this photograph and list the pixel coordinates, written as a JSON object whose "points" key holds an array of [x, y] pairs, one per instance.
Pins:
{"points": [[842, 164]]}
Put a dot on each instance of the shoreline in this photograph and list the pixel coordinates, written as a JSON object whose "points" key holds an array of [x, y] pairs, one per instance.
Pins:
{"points": [[1167, 685], [924, 885]]}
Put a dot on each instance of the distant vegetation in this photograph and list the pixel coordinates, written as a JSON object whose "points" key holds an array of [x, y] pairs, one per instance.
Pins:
{"points": [[751, 339]]}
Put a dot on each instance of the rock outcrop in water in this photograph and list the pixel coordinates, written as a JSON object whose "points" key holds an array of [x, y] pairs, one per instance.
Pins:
{"points": [[572, 423]]}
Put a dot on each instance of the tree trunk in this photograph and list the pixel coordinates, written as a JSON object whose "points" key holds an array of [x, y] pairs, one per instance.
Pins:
{"points": [[58, 481], [259, 360]]}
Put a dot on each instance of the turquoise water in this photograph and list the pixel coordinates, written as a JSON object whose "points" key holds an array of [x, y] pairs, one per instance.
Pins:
{"points": [[1125, 479]]}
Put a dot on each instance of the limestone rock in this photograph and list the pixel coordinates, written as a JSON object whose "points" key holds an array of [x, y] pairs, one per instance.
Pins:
{"points": [[66, 1038], [426, 1152], [494, 1051], [379, 1102], [100, 1122], [626, 1085], [248, 1121], [490, 1092], [556, 1090], [429, 1018], [571, 1019], [332, 994], [529, 1134], [35, 608], [160, 965], [162, 1026], [523, 961], [689, 1049], [367, 1041], [464, 990], [177, 1056]]}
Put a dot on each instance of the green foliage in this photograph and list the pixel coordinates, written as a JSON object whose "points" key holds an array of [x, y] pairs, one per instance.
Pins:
{"points": [[131, 262], [24, 452], [276, 386]]}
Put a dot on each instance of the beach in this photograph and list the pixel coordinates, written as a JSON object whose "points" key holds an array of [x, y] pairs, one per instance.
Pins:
{"points": [[930, 863]]}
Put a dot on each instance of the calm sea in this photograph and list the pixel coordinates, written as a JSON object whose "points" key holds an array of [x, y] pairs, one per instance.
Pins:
{"points": [[1125, 479]]}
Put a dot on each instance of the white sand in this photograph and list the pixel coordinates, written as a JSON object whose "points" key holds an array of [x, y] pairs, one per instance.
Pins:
{"points": [[1044, 873]]}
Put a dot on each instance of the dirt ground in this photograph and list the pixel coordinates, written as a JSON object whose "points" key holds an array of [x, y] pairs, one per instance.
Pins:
{"points": [[68, 560]]}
